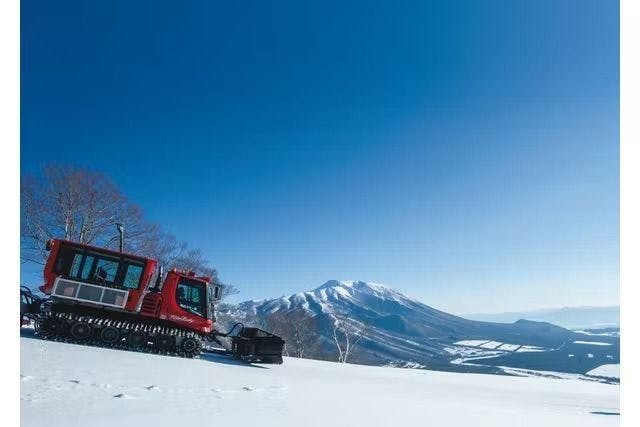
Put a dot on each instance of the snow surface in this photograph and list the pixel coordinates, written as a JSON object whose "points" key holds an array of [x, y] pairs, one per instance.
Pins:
{"points": [[471, 343], [496, 345], [491, 345], [551, 374], [509, 347], [529, 348], [602, 334], [70, 385], [607, 371], [591, 343]]}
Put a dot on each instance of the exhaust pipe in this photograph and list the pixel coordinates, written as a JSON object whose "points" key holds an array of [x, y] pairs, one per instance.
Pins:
{"points": [[120, 227], [156, 287]]}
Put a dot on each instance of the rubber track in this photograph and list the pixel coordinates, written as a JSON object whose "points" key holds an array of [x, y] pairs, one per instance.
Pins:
{"points": [[125, 328]]}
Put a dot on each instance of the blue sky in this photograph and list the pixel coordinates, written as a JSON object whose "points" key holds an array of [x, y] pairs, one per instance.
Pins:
{"points": [[463, 152]]}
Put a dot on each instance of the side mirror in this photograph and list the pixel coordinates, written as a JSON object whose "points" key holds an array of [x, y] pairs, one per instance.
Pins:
{"points": [[217, 293], [48, 245]]}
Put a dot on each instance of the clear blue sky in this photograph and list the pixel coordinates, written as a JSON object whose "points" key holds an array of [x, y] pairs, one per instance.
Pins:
{"points": [[464, 152]]}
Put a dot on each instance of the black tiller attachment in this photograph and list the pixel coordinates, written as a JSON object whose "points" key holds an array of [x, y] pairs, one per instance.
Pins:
{"points": [[252, 344]]}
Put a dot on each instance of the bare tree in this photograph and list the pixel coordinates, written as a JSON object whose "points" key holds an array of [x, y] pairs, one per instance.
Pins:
{"points": [[228, 290], [83, 206], [76, 205], [172, 253], [346, 334], [297, 328]]}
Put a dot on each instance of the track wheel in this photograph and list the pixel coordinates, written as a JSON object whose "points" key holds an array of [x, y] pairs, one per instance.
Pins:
{"points": [[137, 339], [109, 335], [166, 342], [191, 347], [81, 330], [52, 326]]}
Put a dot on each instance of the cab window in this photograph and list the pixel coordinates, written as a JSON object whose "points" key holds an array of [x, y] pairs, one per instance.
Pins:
{"points": [[132, 276], [94, 267], [106, 270], [86, 269], [192, 298], [69, 262], [75, 265]]}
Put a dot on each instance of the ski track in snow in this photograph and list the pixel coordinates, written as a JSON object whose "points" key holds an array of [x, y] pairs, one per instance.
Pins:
{"points": [[70, 385]]}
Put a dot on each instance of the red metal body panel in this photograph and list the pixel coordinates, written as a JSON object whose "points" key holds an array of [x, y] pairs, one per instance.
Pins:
{"points": [[151, 305], [49, 274], [171, 311], [161, 305]]}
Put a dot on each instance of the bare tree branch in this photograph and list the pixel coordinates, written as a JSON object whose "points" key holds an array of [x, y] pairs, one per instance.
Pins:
{"points": [[84, 206], [298, 328], [346, 334]]}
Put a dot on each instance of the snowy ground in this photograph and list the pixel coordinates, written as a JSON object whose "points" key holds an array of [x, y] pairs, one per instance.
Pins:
{"points": [[496, 345], [606, 371], [592, 343], [602, 334], [70, 385]]}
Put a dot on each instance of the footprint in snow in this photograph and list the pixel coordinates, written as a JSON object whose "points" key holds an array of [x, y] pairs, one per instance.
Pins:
{"points": [[102, 386], [123, 396], [219, 390], [270, 388], [75, 381], [153, 387]]}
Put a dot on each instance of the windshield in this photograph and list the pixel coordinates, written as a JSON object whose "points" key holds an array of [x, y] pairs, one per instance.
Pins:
{"points": [[191, 297]]}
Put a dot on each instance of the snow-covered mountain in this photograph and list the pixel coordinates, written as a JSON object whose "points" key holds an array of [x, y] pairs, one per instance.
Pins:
{"points": [[398, 329]]}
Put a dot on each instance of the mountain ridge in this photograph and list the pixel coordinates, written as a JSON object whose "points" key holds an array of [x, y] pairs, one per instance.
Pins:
{"points": [[571, 317], [399, 329]]}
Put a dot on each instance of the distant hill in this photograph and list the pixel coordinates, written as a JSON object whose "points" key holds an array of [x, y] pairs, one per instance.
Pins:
{"points": [[567, 317], [399, 330]]}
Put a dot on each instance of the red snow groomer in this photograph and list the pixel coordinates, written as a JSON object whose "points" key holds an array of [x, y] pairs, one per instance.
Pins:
{"points": [[103, 297]]}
